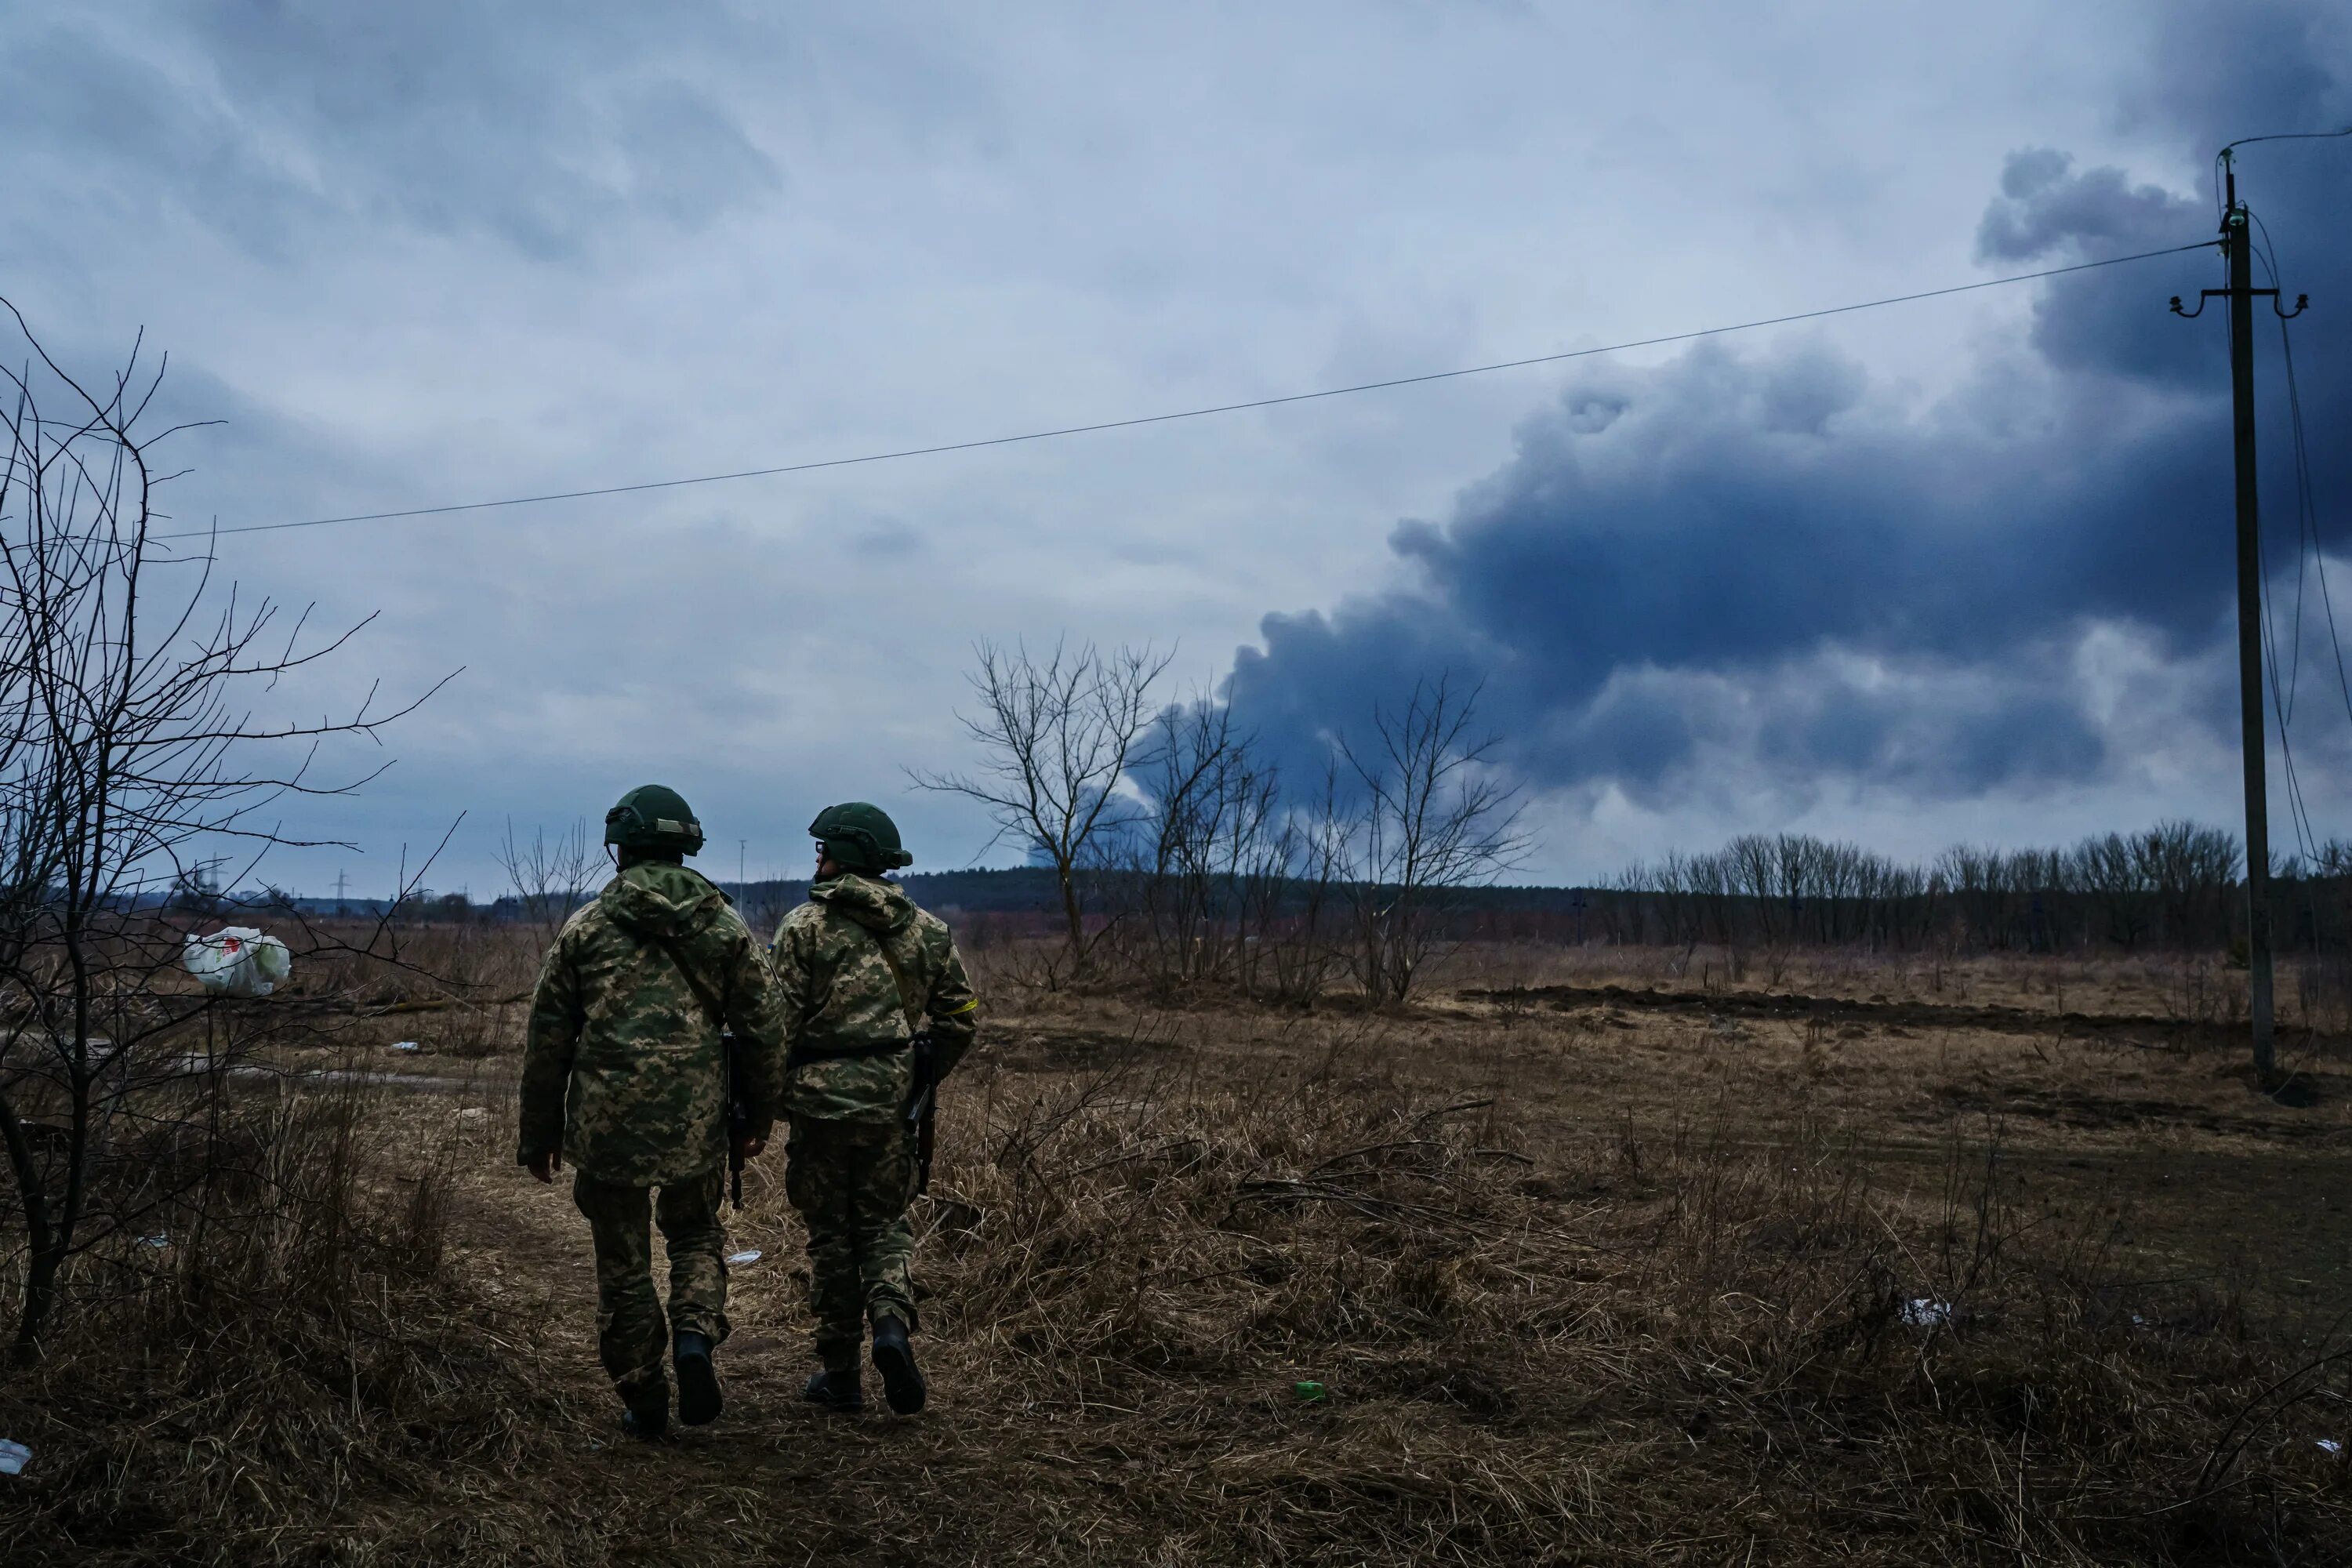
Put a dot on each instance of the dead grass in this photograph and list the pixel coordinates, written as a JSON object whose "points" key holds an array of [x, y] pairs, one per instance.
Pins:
{"points": [[1543, 1346], [289, 1364], [1581, 1282]]}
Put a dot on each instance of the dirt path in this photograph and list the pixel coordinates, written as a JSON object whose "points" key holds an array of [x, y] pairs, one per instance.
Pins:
{"points": [[775, 1480]]}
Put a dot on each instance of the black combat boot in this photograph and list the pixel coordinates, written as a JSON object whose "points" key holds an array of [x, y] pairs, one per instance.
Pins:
{"points": [[699, 1399], [894, 1358], [836, 1388], [646, 1412]]}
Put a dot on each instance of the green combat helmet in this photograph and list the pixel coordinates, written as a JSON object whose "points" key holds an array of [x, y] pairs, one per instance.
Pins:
{"points": [[861, 837], [655, 819]]}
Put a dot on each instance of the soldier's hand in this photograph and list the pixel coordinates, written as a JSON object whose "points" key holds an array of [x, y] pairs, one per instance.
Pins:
{"points": [[545, 1164], [749, 1148]]}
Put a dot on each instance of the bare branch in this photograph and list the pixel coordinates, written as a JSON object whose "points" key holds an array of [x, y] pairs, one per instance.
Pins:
{"points": [[129, 765], [1058, 736]]}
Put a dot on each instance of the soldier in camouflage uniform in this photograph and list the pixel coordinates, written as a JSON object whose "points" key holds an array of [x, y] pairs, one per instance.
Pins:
{"points": [[858, 967], [625, 1073]]}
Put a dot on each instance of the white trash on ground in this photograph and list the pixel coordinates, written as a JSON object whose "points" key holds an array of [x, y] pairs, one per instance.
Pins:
{"points": [[2330, 1445], [160, 1238], [238, 960], [12, 1458], [406, 1046], [751, 1255], [1925, 1313]]}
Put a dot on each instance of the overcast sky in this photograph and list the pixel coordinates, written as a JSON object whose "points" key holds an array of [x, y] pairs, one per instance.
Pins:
{"points": [[1957, 569]]}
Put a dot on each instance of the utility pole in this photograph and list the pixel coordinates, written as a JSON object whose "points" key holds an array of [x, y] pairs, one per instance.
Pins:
{"points": [[2237, 245], [341, 881]]}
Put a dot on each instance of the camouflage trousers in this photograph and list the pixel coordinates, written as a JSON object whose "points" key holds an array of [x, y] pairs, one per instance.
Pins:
{"points": [[852, 1181], [631, 1335]]}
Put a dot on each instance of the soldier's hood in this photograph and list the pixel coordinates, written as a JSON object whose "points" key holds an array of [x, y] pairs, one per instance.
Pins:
{"points": [[876, 905], [662, 899]]}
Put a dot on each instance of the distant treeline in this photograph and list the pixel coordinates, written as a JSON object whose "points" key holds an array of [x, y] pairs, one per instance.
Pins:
{"points": [[2179, 884], [2176, 885]]}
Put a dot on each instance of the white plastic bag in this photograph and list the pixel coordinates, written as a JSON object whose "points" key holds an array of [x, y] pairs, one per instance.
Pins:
{"points": [[237, 962]]}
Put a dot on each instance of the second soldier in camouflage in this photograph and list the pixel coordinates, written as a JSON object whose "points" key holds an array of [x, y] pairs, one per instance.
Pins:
{"points": [[858, 969]]}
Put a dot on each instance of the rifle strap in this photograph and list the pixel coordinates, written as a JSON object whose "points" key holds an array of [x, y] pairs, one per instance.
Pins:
{"points": [[801, 1056], [898, 980], [711, 1004]]}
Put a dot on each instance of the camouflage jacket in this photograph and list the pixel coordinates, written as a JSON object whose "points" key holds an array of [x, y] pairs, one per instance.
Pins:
{"points": [[837, 994], [623, 1070]]}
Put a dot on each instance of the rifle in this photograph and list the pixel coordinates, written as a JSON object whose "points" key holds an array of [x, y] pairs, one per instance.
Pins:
{"points": [[922, 1107], [738, 1117]]}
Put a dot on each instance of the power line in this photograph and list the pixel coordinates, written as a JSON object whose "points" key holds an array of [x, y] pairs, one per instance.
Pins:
{"points": [[1180, 414], [2298, 812], [2222, 156], [2309, 558], [2289, 136], [2267, 253], [2283, 701], [2307, 508]]}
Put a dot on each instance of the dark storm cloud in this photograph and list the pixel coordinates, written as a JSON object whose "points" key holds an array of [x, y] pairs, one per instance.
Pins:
{"points": [[2047, 213], [1747, 550], [262, 119]]}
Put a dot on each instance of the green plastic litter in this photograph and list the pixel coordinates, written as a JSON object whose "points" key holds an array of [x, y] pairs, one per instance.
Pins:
{"points": [[1311, 1392]]}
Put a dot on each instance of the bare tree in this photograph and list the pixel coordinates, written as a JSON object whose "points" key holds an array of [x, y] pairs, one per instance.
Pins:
{"points": [[550, 876], [1293, 891], [2189, 867], [130, 761], [1058, 736], [1436, 819], [1211, 809]]}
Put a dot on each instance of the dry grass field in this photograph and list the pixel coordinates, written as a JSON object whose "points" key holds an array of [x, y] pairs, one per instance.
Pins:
{"points": [[1597, 1257]]}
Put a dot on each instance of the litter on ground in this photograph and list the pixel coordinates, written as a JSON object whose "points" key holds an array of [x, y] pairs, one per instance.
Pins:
{"points": [[1926, 1313], [750, 1255], [236, 961], [13, 1456]]}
